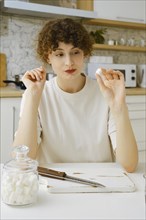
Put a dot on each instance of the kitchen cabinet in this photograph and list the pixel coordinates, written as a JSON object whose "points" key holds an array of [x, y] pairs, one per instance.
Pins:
{"points": [[133, 11], [10, 108], [118, 24], [137, 113], [25, 7]]}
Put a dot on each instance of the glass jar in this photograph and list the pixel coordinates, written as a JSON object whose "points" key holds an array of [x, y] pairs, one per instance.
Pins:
{"points": [[20, 182]]}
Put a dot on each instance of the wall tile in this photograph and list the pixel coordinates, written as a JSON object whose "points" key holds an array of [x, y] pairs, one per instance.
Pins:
{"points": [[18, 35]]}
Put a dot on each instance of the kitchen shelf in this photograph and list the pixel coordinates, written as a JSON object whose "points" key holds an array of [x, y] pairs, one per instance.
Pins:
{"points": [[40, 10], [119, 48], [113, 23]]}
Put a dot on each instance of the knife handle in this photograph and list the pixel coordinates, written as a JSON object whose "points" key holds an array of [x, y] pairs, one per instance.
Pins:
{"points": [[51, 172]]}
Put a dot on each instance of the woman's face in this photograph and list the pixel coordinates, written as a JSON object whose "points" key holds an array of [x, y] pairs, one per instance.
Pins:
{"points": [[67, 61]]}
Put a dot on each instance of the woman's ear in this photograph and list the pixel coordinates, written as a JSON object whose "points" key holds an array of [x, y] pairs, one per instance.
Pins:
{"points": [[86, 57]]}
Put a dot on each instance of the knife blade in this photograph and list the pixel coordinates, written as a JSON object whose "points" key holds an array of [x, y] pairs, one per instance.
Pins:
{"points": [[63, 176]]}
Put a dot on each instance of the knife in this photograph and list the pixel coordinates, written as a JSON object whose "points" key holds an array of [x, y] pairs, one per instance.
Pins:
{"points": [[63, 176]]}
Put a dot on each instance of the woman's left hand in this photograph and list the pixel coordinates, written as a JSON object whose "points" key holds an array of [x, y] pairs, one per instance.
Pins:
{"points": [[112, 86]]}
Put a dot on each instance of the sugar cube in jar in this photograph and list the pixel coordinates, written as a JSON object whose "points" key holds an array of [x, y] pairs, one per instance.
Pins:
{"points": [[20, 182]]}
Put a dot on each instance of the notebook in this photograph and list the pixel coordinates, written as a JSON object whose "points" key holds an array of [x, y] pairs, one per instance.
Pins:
{"points": [[114, 180]]}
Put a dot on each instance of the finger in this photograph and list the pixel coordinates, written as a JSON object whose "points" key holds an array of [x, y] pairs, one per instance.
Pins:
{"points": [[41, 72], [44, 72], [109, 74], [101, 72], [109, 71], [32, 75], [28, 75], [36, 74], [105, 75], [121, 75], [100, 82], [115, 75], [118, 75]]}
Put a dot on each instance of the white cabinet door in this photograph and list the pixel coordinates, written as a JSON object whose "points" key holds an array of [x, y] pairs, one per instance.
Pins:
{"points": [[10, 108], [137, 113], [129, 10]]}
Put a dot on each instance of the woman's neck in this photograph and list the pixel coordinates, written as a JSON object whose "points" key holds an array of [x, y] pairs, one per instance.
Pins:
{"points": [[72, 86]]}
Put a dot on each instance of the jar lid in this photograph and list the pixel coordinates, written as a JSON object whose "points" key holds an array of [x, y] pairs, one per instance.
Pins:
{"points": [[21, 161]]}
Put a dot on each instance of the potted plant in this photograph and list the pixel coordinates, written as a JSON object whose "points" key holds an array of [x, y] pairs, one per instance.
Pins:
{"points": [[98, 36]]}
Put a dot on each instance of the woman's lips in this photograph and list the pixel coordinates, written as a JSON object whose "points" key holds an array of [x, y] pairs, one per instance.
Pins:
{"points": [[70, 71]]}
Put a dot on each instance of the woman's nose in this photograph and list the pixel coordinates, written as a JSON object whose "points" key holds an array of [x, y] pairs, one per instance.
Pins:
{"points": [[68, 61]]}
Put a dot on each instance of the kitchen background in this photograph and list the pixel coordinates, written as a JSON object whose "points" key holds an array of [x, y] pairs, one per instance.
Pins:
{"points": [[18, 37]]}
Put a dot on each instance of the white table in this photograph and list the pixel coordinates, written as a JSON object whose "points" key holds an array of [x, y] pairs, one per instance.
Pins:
{"points": [[84, 205]]}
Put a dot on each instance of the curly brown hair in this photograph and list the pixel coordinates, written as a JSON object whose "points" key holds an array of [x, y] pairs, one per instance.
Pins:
{"points": [[63, 30]]}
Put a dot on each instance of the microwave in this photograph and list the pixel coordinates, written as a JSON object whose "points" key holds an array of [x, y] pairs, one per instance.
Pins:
{"points": [[128, 70]]}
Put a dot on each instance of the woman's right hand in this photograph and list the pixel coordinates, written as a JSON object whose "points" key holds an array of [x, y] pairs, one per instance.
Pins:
{"points": [[35, 78]]}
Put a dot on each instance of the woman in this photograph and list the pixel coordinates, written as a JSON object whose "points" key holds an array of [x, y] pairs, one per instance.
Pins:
{"points": [[72, 118]]}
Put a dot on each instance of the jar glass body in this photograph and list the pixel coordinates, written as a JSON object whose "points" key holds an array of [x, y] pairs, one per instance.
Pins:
{"points": [[20, 183]]}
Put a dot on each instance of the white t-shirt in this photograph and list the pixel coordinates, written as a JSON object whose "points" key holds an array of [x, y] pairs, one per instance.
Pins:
{"points": [[75, 127]]}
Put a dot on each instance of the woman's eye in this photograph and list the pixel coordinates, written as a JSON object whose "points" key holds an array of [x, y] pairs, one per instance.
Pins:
{"points": [[59, 54], [76, 52]]}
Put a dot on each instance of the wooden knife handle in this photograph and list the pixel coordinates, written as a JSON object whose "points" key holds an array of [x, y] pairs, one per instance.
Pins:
{"points": [[51, 172]]}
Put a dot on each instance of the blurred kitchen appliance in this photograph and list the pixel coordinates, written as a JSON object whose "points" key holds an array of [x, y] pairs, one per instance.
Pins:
{"points": [[129, 71], [141, 75], [101, 59], [3, 67]]}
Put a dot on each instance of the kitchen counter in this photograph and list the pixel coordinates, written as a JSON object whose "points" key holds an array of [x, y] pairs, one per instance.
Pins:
{"points": [[9, 91], [136, 91], [124, 205]]}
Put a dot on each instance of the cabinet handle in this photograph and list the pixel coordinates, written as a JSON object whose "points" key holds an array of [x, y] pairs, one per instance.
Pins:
{"points": [[14, 111]]}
